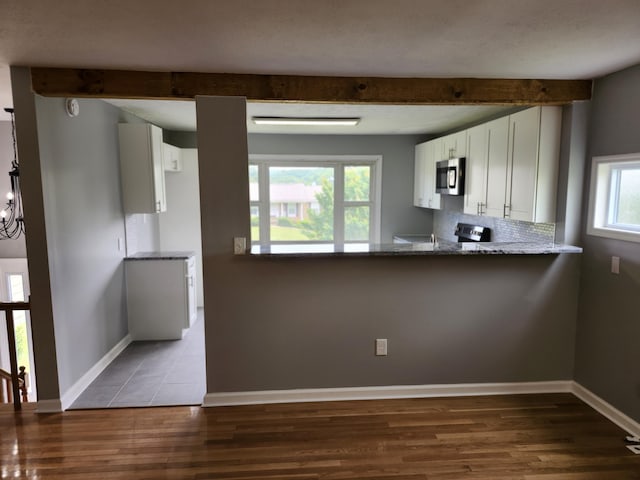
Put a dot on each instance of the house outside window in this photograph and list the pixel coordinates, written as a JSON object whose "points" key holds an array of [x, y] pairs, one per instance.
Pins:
{"points": [[614, 206], [315, 199]]}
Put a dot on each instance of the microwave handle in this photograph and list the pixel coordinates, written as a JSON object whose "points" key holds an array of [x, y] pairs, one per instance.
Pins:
{"points": [[453, 176]]}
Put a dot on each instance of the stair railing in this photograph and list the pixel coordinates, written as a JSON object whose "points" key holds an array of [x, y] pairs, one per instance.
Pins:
{"points": [[8, 308]]}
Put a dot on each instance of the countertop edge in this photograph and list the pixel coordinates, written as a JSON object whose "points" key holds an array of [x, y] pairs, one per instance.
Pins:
{"points": [[169, 255], [413, 250]]}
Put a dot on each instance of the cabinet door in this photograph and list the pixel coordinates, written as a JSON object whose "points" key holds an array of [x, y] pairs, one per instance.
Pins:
{"points": [[524, 132], [192, 313], [433, 198], [160, 196], [171, 158], [497, 160], [476, 171], [424, 187], [141, 171], [454, 145], [419, 175]]}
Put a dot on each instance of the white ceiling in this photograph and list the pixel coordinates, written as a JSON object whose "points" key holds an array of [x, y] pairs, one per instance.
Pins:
{"points": [[559, 39], [375, 119]]}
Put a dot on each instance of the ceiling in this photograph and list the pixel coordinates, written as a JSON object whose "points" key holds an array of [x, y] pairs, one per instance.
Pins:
{"points": [[375, 119], [568, 39]]}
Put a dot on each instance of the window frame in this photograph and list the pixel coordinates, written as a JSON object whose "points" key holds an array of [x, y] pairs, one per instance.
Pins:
{"points": [[338, 162], [603, 199]]}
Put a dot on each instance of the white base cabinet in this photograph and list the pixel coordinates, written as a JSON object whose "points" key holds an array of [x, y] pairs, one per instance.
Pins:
{"points": [[161, 297]]}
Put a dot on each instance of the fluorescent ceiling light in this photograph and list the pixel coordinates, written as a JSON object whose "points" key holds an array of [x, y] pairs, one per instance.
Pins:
{"points": [[347, 122]]}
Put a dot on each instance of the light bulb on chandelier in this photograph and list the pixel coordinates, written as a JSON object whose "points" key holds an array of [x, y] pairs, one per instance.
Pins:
{"points": [[11, 216]]}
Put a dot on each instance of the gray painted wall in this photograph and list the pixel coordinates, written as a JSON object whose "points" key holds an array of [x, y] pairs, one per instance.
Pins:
{"points": [[10, 248], [311, 322], [84, 220], [607, 353]]}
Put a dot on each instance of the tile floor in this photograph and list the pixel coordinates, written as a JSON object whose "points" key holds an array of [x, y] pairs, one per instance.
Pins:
{"points": [[152, 374]]}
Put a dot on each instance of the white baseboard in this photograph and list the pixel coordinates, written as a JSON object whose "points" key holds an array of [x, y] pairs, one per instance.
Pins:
{"points": [[49, 406], [380, 393], [80, 386], [606, 409]]}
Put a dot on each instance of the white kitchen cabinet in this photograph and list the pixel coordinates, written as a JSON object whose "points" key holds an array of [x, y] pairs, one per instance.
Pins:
{"points": [[161, 300], [192, 307], [424, 189], [453, 145], [141, 168], [475, 190], [171, 158], [534, 149], [497, 132], [522, 154]]}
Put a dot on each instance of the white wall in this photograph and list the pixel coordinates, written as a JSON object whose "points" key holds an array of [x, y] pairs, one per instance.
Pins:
{"points": [[179, 226]]}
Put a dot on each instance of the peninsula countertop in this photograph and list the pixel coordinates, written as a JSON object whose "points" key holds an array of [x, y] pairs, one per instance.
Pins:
{"points": [[168, 255], [443, 247]]}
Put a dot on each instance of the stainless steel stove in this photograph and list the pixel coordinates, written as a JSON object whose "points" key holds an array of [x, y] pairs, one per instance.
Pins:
{"points": [[472, 233]]}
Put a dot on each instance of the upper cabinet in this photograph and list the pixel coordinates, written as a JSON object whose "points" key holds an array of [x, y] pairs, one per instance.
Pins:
{"points": [[141, 168], [454, 145], [424, 188], [532, 175], [475, 190], [512, 166], [497, 168], [171, 158]]}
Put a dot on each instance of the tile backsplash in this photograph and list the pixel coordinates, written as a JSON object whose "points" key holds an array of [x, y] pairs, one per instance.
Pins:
{"points": [[502, 230]]}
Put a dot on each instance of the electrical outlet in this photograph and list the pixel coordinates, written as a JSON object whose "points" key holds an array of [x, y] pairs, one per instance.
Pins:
{"points": [[381, 346], [615, 265], [239, 245]]}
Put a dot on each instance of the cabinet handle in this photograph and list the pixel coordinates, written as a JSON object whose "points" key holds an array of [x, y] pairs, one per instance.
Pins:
{"points": [[504, 211]]}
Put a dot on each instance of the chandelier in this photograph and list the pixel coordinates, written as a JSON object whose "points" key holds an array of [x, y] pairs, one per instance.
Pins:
{"points": [[11, 218]]}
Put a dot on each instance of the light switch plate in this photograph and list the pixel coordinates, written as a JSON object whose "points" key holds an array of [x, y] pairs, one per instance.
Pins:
{"points": [[239, 245], [615, 265], [381, 346]]}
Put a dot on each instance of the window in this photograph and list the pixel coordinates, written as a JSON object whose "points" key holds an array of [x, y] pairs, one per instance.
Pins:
{"points": [[614, 206], [314, 199]]}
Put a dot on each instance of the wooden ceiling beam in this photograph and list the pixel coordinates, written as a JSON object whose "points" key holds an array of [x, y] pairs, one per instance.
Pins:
{"points": [[72, 82]]}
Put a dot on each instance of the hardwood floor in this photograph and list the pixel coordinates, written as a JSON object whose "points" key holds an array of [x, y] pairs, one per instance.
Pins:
{"points": [[525, 437]]}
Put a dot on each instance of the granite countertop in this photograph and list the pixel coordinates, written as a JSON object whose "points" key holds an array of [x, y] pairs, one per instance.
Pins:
{"points": [[414, 249], [177, 255]]}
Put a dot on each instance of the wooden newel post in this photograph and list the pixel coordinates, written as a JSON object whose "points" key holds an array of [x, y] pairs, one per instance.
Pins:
{"points": [[13, 360]]}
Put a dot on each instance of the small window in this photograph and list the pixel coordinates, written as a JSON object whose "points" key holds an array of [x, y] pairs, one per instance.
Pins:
{"points": [[614, 208]]}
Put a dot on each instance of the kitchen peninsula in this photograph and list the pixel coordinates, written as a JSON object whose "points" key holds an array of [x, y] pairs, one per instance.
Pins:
{"points": [[413, 249]]}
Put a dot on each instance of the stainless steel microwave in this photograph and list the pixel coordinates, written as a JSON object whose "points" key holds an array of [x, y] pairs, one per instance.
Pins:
{"points": [[450, 176]]}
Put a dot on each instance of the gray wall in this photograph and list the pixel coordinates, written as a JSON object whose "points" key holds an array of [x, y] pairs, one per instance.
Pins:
{"points": [[311, 322], [84, 219], [10, 248], [608, 353]]}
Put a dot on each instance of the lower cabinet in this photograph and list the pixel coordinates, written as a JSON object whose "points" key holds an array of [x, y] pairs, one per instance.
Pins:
{"points": [[161, 297]]}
